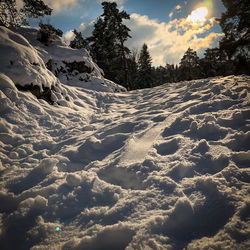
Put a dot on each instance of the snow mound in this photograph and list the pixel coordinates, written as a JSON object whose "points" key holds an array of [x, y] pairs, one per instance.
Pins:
{"points": [[73, 67], [21, 62]]}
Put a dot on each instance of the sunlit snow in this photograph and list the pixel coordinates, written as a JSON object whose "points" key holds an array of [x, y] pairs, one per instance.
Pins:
{"points": [[160, 168]]}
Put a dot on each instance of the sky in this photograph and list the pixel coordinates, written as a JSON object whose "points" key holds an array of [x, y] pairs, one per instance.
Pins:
{"points": [[168, 27]]}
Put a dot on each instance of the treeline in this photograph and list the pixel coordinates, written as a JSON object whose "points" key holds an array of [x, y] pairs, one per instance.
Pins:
{"points": [[134, 70]]}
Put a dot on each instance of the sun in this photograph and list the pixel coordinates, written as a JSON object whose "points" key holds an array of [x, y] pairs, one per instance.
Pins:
{"points": [[198, 16]]}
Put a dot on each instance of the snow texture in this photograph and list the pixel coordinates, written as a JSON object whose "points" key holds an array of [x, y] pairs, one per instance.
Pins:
{"points": [[160, 168]]}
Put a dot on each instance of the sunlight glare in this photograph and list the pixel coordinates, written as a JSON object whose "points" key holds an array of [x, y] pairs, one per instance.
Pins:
{"points": [[198, 16]]}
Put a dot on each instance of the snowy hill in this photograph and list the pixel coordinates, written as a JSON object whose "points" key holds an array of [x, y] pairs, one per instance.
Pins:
{"points": [[161, 168]]}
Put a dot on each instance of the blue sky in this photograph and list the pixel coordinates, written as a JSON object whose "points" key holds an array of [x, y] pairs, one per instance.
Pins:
{"points": [[162, 24]]}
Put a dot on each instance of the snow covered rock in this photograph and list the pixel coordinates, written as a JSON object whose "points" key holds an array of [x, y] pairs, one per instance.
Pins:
{"points": [[73, 67], [29, 65], [21, 63]]}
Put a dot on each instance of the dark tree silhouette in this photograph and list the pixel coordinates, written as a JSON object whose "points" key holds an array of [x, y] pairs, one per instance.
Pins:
{"points": [[78, 42], [189, 65], [107, 43], [145, 77], [11, 16], [235, 23]]}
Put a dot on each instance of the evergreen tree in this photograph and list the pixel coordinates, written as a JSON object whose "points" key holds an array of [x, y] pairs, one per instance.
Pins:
{"points": [[189, 65], [210, 62], [47, 34], [145, 78], [159, 75], [78, 42], [35, 8], [235, 23], [132, 69], [107, 43], [10, 16], [171, 73]]}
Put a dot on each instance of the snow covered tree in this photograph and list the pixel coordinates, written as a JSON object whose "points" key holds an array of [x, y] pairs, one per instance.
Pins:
{"points": [[78, 42], [107, 43], [145, 78], [35, 8], [189, 65], [11, 16], [47, 34]]}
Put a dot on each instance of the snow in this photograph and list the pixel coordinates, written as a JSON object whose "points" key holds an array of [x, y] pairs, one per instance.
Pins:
{"points": [[160, 168], [21, 62], [59, 53]]}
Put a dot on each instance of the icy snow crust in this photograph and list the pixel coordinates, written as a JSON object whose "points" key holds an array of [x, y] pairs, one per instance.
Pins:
{"points": [[161, 168]]}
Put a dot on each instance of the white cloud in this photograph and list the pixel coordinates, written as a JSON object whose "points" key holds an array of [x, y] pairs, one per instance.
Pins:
{"points": [[68, 36], [59, 5], [168, 42], [85, 28], [117, 1]]}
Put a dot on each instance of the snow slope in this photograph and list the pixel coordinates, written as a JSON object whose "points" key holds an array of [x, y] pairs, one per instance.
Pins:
{"points": [[160, 168]]}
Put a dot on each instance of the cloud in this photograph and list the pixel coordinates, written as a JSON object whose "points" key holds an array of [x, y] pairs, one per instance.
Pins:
{"points": [[59, 5], [68, 36], [117, 1], [168, 42], [85, 28]]}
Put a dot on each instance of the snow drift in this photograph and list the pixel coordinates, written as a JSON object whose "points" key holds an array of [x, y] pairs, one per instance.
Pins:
{"points": [[161, 168]]}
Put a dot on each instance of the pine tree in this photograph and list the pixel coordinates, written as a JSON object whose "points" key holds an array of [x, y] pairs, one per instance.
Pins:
{"points": [[235, 23], [145, 78], [101, 48], [210, 62], [132, 69], [35, 8], [189, 65], [47, 34], [78, 42], [10, 16], [107, 43]]}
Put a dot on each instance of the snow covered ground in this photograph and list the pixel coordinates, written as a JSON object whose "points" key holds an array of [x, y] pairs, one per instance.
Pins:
{"points": [[160, 168]]}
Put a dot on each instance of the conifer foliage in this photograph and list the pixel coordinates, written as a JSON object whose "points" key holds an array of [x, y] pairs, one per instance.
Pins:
{"points": [[10, 16], [189, 65], [145, 78], [107, 43], [235, 23], [78, 42]]}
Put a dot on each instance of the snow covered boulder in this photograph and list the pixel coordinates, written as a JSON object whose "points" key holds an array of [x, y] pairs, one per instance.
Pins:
{"points": [[73, 67], [22, 65]]}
